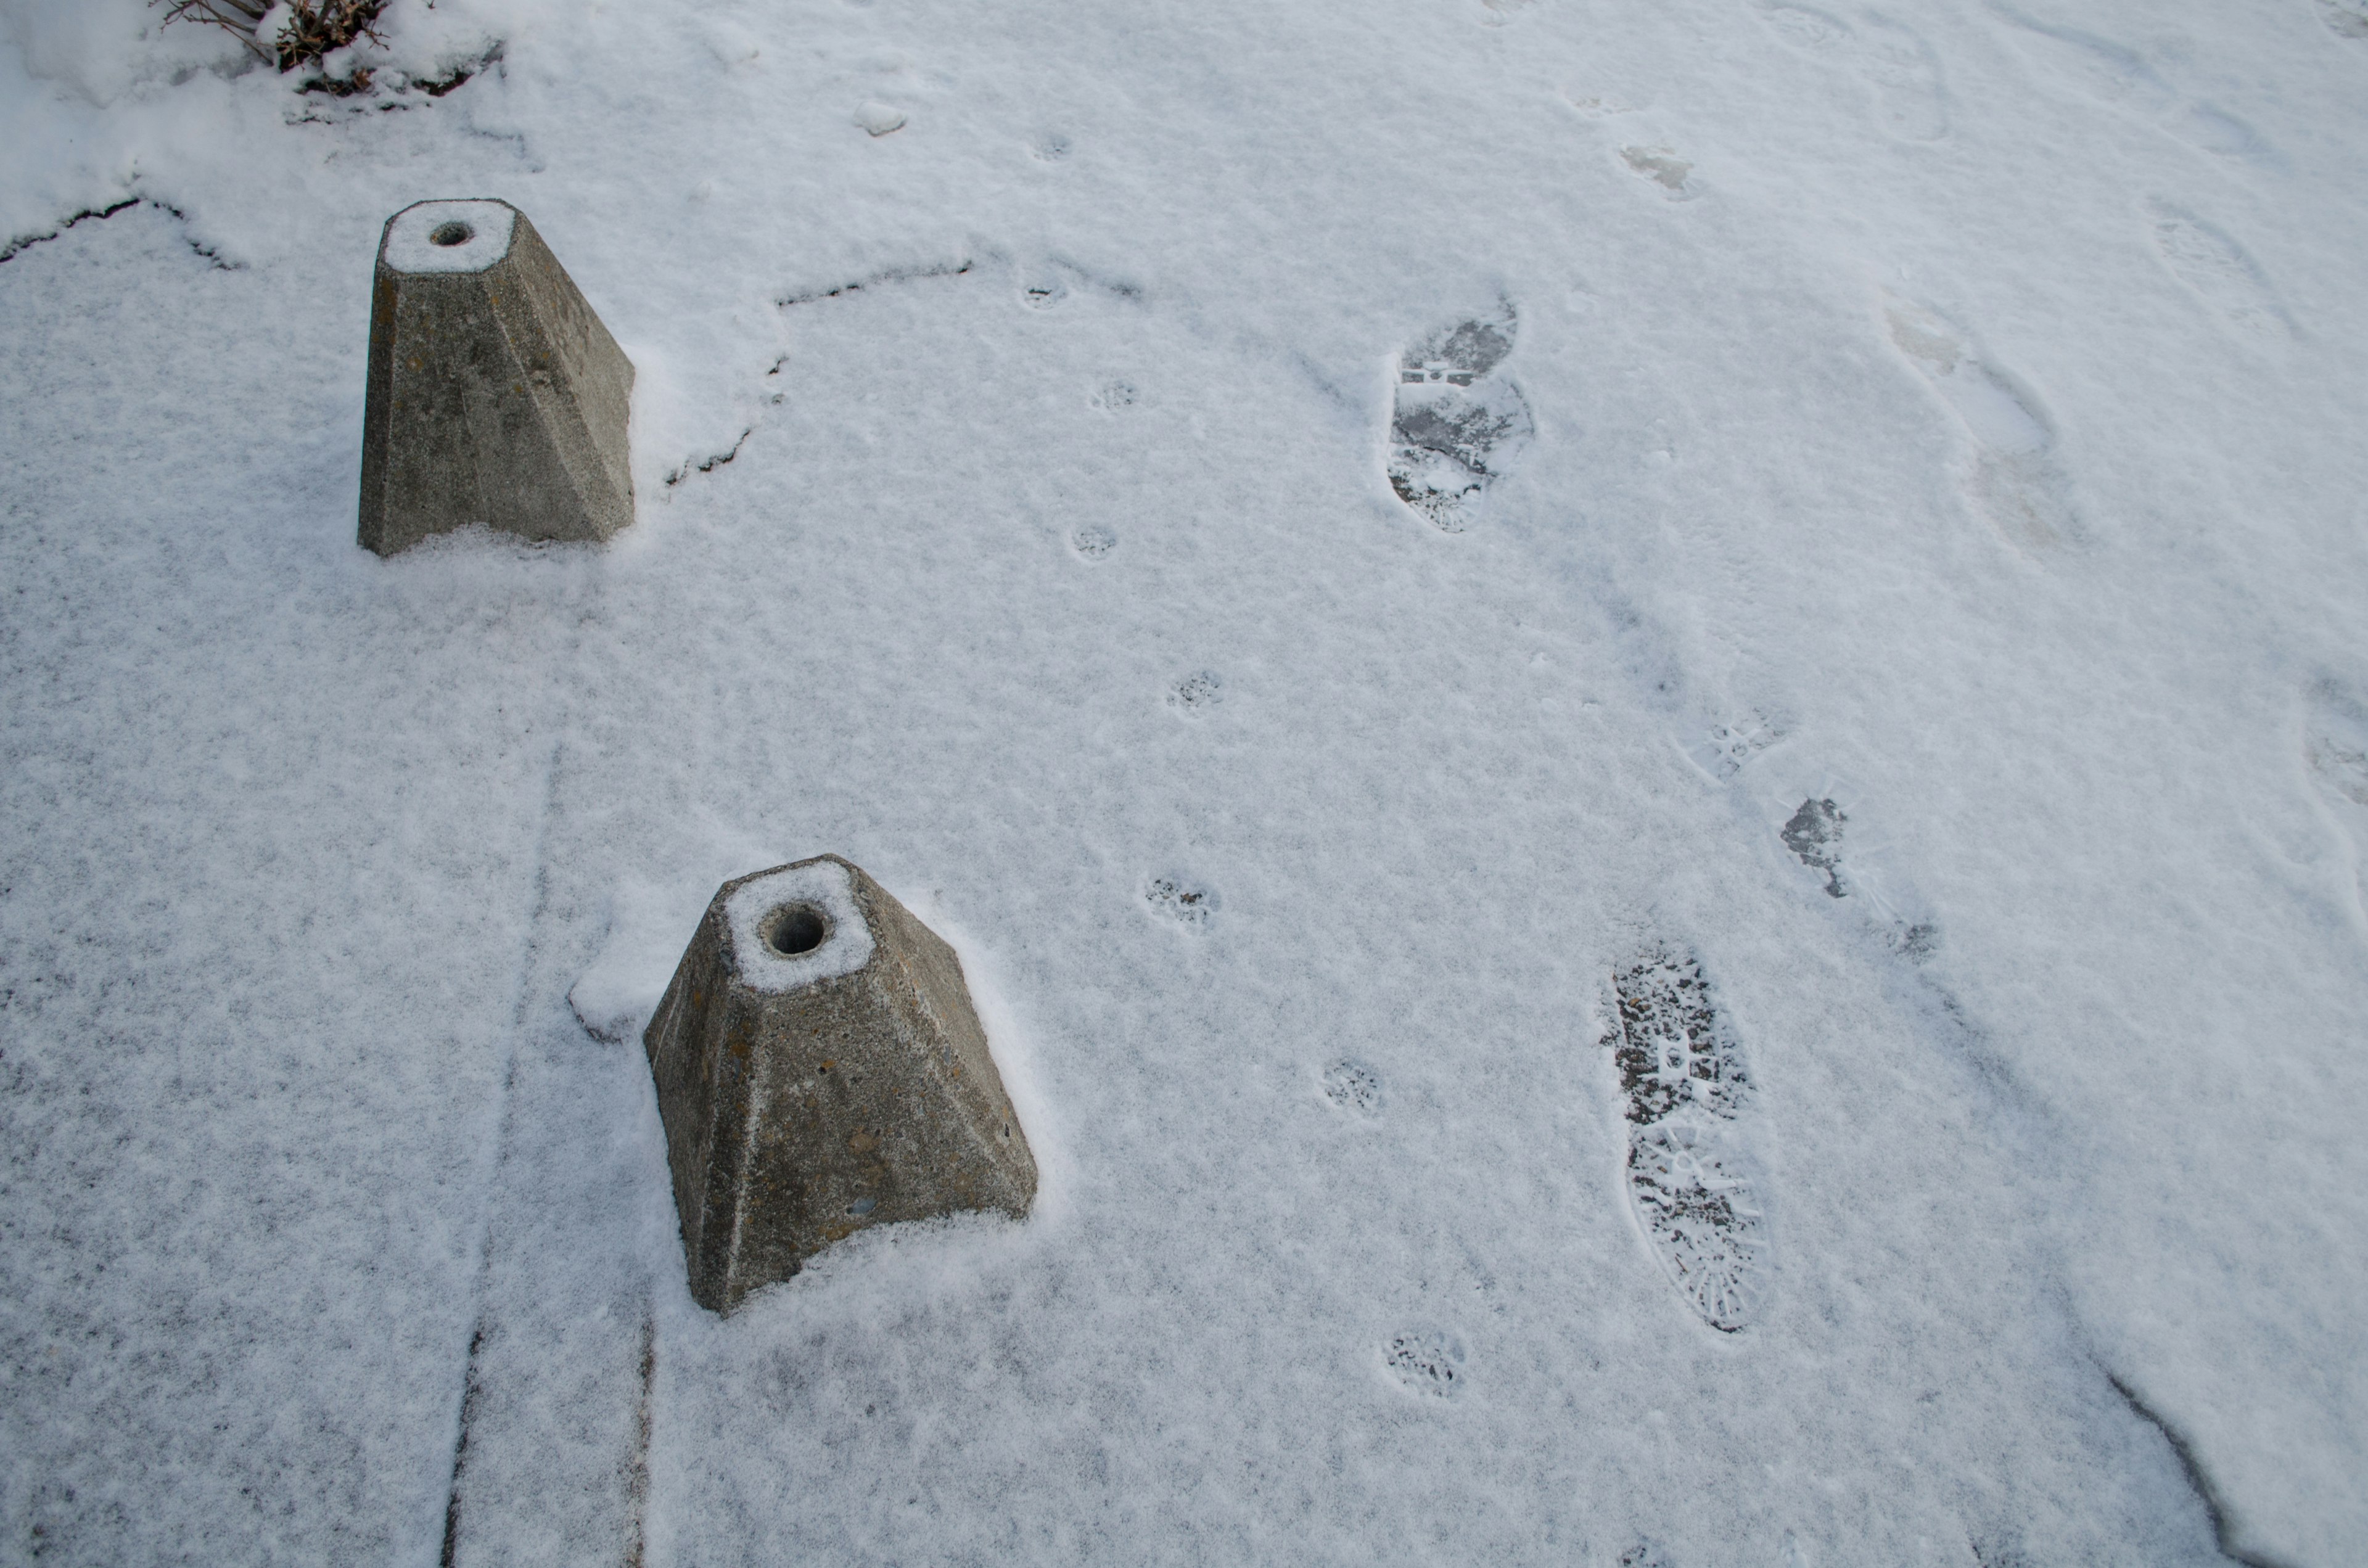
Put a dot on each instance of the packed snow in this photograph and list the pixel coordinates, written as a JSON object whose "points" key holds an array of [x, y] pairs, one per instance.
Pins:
{"points": [[1645, 727]]}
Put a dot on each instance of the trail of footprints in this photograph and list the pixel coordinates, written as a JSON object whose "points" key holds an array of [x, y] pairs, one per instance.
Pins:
{"points": [[1893, 58], [2119, 76]]}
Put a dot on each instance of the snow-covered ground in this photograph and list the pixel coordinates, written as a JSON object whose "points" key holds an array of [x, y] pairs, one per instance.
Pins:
{"points": [[1772, 972]]}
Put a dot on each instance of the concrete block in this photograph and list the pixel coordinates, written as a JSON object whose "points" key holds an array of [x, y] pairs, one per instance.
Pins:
{"points": [[495, 395], [820, 1069]]}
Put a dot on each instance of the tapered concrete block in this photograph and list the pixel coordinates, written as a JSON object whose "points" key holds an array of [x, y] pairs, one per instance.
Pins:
{"points": [[819, 1070], [495, 395]]}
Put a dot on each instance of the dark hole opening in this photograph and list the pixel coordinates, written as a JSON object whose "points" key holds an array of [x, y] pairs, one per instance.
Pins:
{"points": [[795, 928], [455, 233]]}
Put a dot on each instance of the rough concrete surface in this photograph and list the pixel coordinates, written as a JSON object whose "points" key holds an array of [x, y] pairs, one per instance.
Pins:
{"points": [[820, 1069], [495, 395]]}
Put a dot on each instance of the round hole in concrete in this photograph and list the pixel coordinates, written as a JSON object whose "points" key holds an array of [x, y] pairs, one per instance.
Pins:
{"points": [[452, 234], [795, 928]]}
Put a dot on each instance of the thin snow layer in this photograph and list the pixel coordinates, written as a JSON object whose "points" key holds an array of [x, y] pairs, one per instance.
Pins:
{"points": [[447, 236], [823, 885], [1925, 608]]}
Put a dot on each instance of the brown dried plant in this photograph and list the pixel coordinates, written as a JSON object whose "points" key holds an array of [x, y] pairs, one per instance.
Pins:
{"points": [[314, 28]]}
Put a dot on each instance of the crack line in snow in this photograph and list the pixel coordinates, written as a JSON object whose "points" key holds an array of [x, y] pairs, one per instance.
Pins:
{"points": [[710, 463], [892, 275], [2206, 1492], [26, 242]]}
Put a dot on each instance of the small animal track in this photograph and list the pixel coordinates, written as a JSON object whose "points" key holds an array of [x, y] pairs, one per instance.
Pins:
{"points": [[1456, 425], [1645, 1554], [1197, 693], [1724, 749], [1893, 58], [2114, 74], [1115, 395], [1426, 1361], [1689, 1178], [1353, 1086], [1180, 901], [2217, 268], [1093, 541], [2015, 479], [1662, 165]]}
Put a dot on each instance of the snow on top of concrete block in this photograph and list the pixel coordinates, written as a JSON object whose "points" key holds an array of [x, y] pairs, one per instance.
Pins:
{"points": [[449, 236], [797, 926]]}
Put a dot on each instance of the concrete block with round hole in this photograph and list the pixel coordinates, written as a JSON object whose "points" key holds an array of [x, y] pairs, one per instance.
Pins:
{"points": [[495, 396], [820, 1069]]}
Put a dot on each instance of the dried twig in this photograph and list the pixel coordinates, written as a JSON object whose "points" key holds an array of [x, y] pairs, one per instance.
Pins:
{"points": [[314, 28]]}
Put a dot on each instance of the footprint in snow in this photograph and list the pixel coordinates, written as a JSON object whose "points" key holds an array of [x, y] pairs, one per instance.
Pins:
{"points": [[2335, 747], [1456, 425], [1662, 165], [2114, 75], [1426, 1361], [1893, 58], [1353, 1086], [2216, 267], [1093, 541], [2014, 478], [1691, 1178], [2345, 19]]}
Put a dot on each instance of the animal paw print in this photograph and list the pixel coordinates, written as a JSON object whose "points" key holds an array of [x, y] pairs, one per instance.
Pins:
{"points": [[1093, 541], [1456, 426], [1426, 1361], [1181, 901], [1689, 1175], [1197, 693], [1725, 750], [1353, 1086]]}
